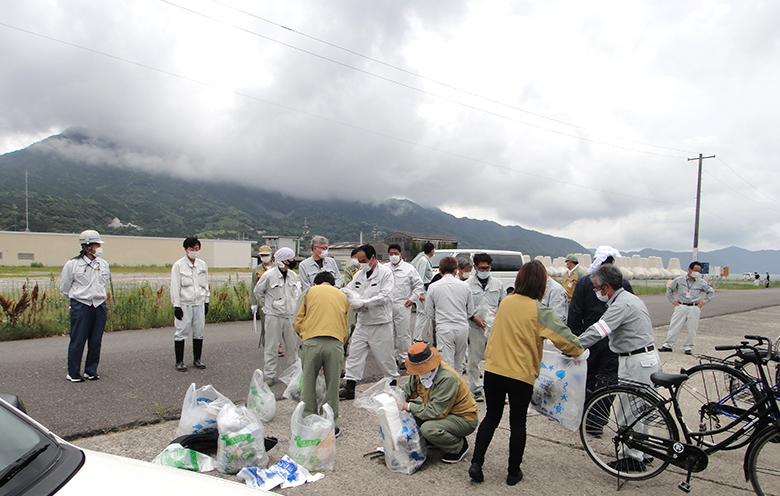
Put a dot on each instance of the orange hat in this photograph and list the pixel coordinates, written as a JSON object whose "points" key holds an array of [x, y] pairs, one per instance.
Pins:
{"points": [[422, 359]]}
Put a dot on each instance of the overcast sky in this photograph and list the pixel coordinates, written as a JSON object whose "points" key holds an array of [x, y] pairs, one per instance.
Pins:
{"points": [[572, 118]]}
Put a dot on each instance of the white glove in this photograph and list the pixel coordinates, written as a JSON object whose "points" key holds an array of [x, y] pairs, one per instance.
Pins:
{"points": [[254, 309]]}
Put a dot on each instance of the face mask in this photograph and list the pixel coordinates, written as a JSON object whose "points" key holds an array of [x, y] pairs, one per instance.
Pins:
{"points": [[265, 260], [291, 264], [483, 275], [427, 378], [464, 276], [193, 254], [98, 251], [355, 262], [323, 253], [394, 259], [696, 275], [365, 266], [601, 297]]}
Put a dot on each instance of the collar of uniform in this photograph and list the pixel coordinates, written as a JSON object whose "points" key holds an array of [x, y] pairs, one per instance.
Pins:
{"points": [[612, 300]]}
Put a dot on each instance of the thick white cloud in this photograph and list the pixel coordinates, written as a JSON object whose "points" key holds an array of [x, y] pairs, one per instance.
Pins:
{"points": [[571, 118]]}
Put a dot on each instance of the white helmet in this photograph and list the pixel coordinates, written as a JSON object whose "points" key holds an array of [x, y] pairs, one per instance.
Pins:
{"points": [[89, 237]]}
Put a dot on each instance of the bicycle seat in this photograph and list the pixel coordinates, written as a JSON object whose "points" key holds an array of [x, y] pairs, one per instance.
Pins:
{"points": [[667, 380]]}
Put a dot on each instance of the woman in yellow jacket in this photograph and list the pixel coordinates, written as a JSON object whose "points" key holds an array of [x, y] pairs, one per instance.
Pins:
{"points": [[512, 359]]}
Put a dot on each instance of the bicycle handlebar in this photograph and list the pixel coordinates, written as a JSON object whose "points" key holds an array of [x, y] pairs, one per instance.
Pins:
{"points": [[761, 339]]}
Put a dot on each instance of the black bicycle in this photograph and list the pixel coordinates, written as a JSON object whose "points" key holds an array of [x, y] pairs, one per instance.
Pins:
{"points": [[732, 381], [629, 429]]}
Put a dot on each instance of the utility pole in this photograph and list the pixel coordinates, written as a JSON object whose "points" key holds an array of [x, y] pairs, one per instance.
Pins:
{"points": [[698, 208]]}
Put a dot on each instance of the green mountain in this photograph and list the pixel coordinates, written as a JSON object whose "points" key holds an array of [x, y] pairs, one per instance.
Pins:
{"points": [[69, 196]]}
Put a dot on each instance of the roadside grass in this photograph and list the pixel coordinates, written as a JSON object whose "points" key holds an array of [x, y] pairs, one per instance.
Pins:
{"points": [[39, 310]]}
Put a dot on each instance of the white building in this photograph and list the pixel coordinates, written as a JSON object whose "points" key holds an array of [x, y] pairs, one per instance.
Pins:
{"points": [[54, 249]]}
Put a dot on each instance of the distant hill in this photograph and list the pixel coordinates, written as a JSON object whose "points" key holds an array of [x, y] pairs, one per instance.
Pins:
{"points": [[738, 260], [68, 196]]}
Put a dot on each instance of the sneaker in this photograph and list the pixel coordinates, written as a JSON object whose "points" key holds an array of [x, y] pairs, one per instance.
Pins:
{"points": [[78, 378], [475, 472], [689, 352], [394, 382], [280, 353], [402, 366], [664, 348], [479, 397], [512, 479], [337, 432], [628, 465], [91, 377], [270, 381], [456, 457]]}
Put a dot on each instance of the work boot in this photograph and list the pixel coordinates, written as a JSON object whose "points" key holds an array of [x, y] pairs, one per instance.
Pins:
{"points": [[197, 348], [178, 348], [348, 391]]}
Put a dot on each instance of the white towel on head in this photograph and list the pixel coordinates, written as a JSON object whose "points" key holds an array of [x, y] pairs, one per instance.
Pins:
{"points": [[602, 252]]}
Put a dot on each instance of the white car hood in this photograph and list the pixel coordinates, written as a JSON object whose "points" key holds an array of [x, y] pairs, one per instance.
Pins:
{"points": [[116, 475]]}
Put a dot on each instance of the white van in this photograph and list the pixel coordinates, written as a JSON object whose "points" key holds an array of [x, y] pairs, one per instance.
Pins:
{"points": [[504, 267]]}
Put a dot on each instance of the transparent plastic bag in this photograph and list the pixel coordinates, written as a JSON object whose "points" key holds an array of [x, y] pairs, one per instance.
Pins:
{"points": [[241, 440], [260, 398], [292, 377], [559, 391], [200, 409], [313, 440], [177, 456], [404, 447]]}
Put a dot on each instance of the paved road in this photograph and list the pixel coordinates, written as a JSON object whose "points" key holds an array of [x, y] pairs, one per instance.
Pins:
{"points": [[554, 461]]}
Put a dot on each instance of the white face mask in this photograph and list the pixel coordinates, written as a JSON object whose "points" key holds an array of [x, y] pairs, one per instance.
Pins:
{"points": [[98, 251], [323, 253], [394, 259], [265, 259], [601, 297], [464, 276], [355, 262], [365, 266], [696, 275], [427, 378], [193, 254]]}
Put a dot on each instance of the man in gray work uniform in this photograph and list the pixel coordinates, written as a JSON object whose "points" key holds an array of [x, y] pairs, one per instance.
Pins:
{"points": [[627, 324], [318, 261], [693, 292]]}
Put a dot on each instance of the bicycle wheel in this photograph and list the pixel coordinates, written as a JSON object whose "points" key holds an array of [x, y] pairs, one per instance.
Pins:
{"points": [[763, 463], [607, 415], [708, 399]]}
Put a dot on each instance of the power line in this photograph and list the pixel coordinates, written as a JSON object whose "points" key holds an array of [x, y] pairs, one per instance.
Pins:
{"points": [[413, 88], [724, 183], [746, 181], [425, 78]]}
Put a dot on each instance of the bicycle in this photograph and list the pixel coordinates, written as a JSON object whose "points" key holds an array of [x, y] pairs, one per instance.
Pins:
{"points": [[728, 381], [631, 431]]}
